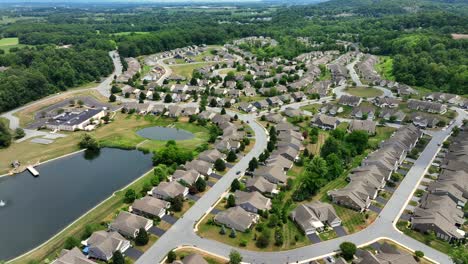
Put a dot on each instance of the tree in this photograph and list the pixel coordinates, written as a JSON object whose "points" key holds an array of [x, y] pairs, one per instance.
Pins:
{"points": [[233, 233], [231, 201], [130, 196], [5, 136], [200, 184], [418, 254], [279, 240], [253, 164], [223, 111], [264, 239], [177, 203], [335, 166], [222, 231], [220, 165], [168, 98], [358, 140], [171, 256], [19, 133], [142, 237], [235, 185], [71, 242], [142, 96], [231, 157], [459, 254], [118, 258], [89, 142], [112, 98], [348, 250], [235, 257]]}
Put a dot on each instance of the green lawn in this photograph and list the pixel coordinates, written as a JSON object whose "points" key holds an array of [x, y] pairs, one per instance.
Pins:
{"points": [[186, 70], [7, 43], [313, 108], [293, 237], [327, 235], [385, 68], [364, 91]]}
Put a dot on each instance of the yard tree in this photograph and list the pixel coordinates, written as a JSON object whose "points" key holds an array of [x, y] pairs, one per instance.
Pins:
{"points": [[222, 231], [253, 164], [89, 142], [168, 98], [156, 96], [177, 203], [348, 250], [213, 103], [246, 141], [200, 184], [418, 255], [142, 237], [264, 239], [118, 258], [223, 111], [115, 89], [19, 133], [233, 233], [171, 256], [220, 165], [335, 166], [142, 96], [358, 140], [231, 201], [235, 257], [231, 157], [459, 254], [71, 242], [235, 185], [130, 196], [112, 98], [279, 237]]}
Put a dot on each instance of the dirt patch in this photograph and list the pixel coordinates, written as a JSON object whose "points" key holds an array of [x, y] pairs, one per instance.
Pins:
{"points": [[460, 36]]}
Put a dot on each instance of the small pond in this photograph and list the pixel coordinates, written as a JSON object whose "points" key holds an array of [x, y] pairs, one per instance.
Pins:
{"points": [[164, 133]]}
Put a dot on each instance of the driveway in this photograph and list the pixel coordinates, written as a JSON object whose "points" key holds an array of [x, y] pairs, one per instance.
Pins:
{"points": [[193, 197], [216, 176], [375, 208], [133, 253], [215, 211], [314, 238], [156, 231], [169, 219], [340, 231]]}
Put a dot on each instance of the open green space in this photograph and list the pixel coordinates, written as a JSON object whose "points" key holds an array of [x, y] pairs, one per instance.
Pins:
{"points": [[126, 33], [364, 91], [7, 43], [385, 68], [186, 70], [293, 236]]}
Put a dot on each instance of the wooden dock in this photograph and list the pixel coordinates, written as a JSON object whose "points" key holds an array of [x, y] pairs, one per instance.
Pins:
{"points": [[33, 171]]}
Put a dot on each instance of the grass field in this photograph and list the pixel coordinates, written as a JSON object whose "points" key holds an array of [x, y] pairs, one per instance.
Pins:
{"points": [[186, 70], [115, 134], [354, 221], [313, 108], [126, 33], [364, 91], [290, 233], [7, 43], [385, 68]]}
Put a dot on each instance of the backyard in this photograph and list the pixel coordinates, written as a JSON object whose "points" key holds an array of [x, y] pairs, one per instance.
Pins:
{"points": [[186, 70]]}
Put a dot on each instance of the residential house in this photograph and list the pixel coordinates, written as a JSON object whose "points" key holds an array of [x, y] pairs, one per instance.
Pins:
{"points": [[128, 224], [435, 108], [149, 207], [312, 217], [363, 125], [274, 118], [72, 256], [423, 121], [364, 112], [386, 102], [261, 185], [169, 190], [211, 155], [102, 245], [203, 167], [271, 173], [247, 107], [186, 177], [237, 218], [324, 121], [350, 100], [443, 97], [392, 115], [252, 201]]}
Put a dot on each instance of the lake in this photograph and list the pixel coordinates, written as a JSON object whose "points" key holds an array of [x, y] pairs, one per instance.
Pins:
{"points": [[38, 208], [164, 133]]}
